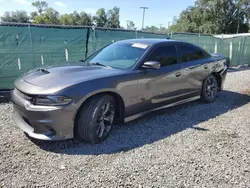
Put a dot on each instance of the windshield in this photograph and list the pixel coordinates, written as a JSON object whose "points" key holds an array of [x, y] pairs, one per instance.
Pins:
{"points": [[119, 55]]}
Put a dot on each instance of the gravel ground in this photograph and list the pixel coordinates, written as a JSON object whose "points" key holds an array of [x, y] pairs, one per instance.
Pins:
{"points": [[191, 145]]}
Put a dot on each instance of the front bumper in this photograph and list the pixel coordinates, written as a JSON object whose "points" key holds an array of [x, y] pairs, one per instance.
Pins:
{"points": [[223, 74], [43, 122]]}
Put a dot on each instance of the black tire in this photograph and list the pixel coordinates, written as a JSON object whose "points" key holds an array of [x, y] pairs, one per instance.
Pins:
{"points": [[209, 89], [94, 123]]}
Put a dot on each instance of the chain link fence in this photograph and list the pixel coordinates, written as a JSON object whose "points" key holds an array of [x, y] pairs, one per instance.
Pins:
{"points": [[26, 46]]}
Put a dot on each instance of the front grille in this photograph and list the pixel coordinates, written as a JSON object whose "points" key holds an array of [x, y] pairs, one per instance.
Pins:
{"points": [[23, 95]]}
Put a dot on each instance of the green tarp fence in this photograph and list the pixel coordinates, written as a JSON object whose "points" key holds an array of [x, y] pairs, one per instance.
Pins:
{"points": [[24, 47]]}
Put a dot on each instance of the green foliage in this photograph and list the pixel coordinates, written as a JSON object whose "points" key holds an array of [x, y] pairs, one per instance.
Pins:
{"points": [[76, 19], [85, 19], [113, 17], [100, 18], [153, 29], [130, 25], [41, 6], [33, 15], [19, 16], [109, 19], [50, 16], [214, 16], [67, 19], [206, 16]]}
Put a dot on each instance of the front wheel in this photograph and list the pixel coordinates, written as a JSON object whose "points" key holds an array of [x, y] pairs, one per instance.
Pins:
{"points": [[95, 119], [209, 89]]}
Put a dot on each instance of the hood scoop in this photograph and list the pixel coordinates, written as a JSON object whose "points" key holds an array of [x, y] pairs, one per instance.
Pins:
{"points": [[43, 71]]}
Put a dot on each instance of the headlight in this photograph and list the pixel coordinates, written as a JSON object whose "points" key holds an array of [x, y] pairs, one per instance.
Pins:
{"points": [[51, 100]]}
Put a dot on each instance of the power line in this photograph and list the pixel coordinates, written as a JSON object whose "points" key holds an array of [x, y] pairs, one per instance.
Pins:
{"points": [[144, 8]]}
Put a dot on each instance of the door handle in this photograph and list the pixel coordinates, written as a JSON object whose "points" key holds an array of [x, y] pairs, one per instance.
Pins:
{"points": [[205, 66], [178, 74]]}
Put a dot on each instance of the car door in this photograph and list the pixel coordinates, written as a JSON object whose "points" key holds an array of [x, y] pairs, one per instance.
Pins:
{"points": [[159, 87], [195, 67]]}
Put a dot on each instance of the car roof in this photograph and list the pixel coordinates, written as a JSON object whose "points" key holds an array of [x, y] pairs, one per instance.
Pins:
{"points": [[148, 41]]}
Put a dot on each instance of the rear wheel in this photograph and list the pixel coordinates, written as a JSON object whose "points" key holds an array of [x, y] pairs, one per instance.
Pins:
{"points": [[209, 89], [95, 119]]}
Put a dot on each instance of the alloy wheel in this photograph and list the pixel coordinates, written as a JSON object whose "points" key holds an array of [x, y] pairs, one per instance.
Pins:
{"points": [[211, 88], [105, 119]]}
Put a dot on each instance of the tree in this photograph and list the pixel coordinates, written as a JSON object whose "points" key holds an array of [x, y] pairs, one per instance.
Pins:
{"points": [[151, 29], [67, 19], [100, 18], [109, 19], [113, 16], [130, 25], [214, 16], [33, 15], [41, 6], [76, 17], [50, 16], [154, 29], [19, 16], [163, 30], [85, 19], [228, 15]]}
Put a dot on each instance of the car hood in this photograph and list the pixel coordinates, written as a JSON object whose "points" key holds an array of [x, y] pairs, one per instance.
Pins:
{"points": [[59, 76]]}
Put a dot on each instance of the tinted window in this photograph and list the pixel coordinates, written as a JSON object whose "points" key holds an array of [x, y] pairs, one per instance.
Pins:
{"points": [[191, 53], [166, 55]]}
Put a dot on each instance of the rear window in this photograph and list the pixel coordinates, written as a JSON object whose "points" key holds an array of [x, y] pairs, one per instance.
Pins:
{"points": [[191, 53]]}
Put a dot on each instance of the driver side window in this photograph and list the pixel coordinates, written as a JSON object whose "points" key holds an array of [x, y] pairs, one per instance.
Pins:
{"points": [[166, 55]]}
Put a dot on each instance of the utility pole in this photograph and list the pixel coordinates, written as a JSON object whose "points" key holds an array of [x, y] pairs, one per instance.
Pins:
{"points": [[144, 8]]}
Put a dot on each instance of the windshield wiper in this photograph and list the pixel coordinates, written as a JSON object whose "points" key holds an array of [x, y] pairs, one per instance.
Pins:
{"points": [[100, 64]]}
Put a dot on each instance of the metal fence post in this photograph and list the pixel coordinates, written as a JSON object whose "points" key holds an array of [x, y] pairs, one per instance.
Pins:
{"points": [[239, 56], [42, 61], [66, 55], [199, 36], [66, 50], [215, 47], [243, 44], [31, 45], [231, 52], [94, 41]]}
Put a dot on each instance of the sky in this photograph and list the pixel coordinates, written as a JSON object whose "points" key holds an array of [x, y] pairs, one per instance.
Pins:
{"points": [[158, 12]]}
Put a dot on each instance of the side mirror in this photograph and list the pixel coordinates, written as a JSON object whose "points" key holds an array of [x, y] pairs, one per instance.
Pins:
{"points": [[151, 65]]}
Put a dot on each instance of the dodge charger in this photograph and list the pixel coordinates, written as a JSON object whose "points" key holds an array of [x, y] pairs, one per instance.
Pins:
{"points": [[118, 83]]}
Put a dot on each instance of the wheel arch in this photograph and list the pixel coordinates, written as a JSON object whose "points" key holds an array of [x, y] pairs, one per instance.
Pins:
{"points": [[218, 78], [120, 105]]}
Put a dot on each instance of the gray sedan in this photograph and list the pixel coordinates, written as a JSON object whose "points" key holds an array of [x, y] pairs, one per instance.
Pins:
{"points": [[121, 82]]}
